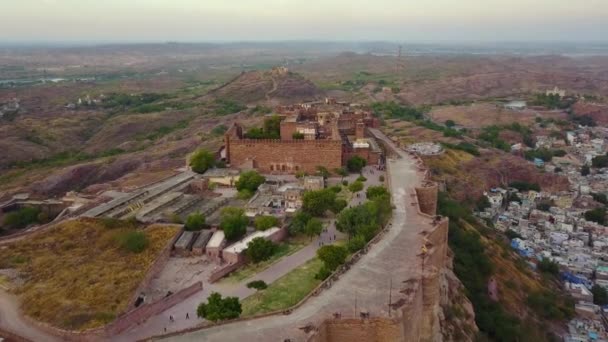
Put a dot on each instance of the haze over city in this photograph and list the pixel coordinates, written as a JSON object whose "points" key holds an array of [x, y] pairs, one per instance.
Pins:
{"points": [[262, 20]]}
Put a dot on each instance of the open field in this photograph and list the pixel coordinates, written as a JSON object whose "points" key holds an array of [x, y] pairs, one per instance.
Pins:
{"points": [[286, 291], [78, 275], [478, 115]]}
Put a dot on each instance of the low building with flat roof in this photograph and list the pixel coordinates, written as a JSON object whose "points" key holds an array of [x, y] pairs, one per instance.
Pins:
{"points": [[198, 247], [215, 245]]}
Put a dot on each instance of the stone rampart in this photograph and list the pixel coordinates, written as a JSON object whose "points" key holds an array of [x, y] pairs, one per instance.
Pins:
{"points": [[286, 156]]}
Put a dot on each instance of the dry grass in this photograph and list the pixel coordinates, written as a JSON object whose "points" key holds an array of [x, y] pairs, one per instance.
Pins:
{"points": [[76, 275]]}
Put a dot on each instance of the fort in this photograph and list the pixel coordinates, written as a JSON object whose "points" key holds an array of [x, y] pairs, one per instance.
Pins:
{"points": [[310, 135]]}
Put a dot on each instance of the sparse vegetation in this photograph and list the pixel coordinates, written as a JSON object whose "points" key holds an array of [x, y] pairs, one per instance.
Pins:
{"points": [[22, 218], [107, 271]]}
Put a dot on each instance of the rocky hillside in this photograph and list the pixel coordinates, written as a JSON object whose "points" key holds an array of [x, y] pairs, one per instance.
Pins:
{"points": [[278, 85]]}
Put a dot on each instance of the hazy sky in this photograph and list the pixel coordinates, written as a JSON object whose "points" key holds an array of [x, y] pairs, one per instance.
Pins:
{"points": [[220, 20]]}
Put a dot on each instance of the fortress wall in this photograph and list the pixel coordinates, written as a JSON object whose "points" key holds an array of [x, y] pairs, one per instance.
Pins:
{"points": [[359, 330], [427, 198], [294, 155]]}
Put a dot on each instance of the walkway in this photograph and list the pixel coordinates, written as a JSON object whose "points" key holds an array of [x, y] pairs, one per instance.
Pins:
{"points": [[392, 258], [11, 320]]}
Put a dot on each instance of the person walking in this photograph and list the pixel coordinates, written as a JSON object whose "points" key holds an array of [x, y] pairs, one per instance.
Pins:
{"points": [[187, 316], [171, 318]]}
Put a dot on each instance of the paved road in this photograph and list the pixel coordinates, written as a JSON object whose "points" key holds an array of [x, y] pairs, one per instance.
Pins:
{"points": [[157, 325], [392, 260], [12, 321]]}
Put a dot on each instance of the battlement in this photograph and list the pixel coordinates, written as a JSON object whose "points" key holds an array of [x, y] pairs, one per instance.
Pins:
{"points": [[284, 142]]}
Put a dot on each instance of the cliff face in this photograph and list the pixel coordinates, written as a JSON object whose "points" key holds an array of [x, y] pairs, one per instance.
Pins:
{"points": [[457, 316]]}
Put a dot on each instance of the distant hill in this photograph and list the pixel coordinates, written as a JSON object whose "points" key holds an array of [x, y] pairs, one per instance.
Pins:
{"points": [[278, 85]]}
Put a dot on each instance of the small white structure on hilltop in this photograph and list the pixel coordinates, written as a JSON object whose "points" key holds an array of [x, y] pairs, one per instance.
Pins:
{"points": [[556, 91], [426, 148], [516, 105]]}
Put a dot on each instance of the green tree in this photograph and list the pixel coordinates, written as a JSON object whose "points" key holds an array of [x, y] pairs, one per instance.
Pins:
{"points": [[332, 256], [548, 266], [201, 161], [297, 136], [356, 164], [260, 249], [250, 181], [339, 205], [318, 202], [356, 186], [600, 296], [272, 127], [313, 227], [298, 223], [322, 171], [195, 222], [218, 308], [133, 241], [342, 172], [233, 222], [450, 123], [265, 222]]}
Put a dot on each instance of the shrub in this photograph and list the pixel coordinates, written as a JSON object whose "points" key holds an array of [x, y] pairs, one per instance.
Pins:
{"points": [[257, 284], [339, 205], [323, 273], [355, 186], [133, 241], [361, 179], [201, 161], [265, 222], [356, 243], [524, 186], [22, 218], [260, 249], [297, 136], [195, 222], [597, 215], [600, 296], [548, 266], [381, 178], [375, 191], [336, 188], [218, 308], [250, 180], [344, 182]]}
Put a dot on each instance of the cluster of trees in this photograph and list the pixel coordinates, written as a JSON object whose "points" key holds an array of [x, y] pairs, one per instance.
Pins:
{"points": [[233, 222], [491, 135], [549, 267], [260, 249], [115, 100], [218, 308], [265, 222], [524, 186], [600, 161], [361, 223], [597, 215], [552, 101], [304, 223], [23, 217], [248, 183], [600, 198], [225, 107], [202, 160], [317, 203], [544, 154], [393, 110], [271, 129]]}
